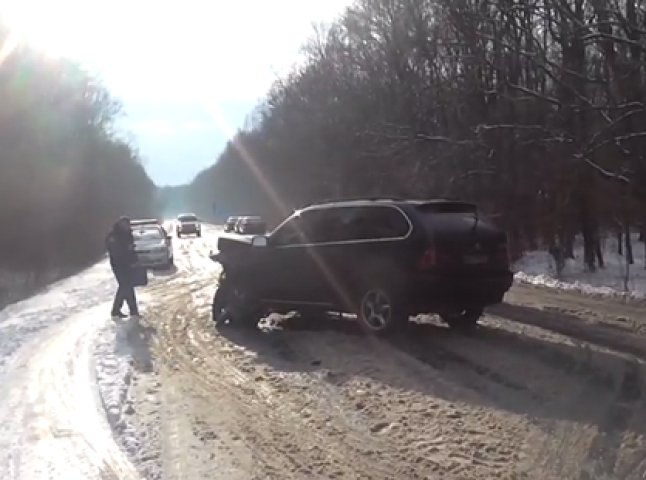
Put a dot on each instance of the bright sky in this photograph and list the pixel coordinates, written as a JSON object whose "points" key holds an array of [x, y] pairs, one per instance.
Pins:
{"points": [[187, 71]]}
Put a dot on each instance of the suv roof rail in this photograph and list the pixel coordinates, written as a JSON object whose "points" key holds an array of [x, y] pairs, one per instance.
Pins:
{"points": [[357, 198]]}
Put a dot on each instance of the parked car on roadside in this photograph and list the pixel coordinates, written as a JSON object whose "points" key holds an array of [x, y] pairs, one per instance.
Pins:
{"points": [[383, 259], [153, 221], [188, 223], [230, 224], [139, 222], [153, 246], [250, 226]]}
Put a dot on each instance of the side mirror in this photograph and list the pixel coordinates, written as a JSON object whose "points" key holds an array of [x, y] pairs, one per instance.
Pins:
{"points": [[169, 237], [259, 241]]}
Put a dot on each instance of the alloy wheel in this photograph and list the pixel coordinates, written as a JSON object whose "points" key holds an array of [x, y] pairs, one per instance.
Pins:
{"points": [[376, 309]]}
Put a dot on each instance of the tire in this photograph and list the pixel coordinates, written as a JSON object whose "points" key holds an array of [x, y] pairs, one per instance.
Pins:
{"points": [[380, 310], [199, 234], [179, 235], [232, 306], [465, 319]]}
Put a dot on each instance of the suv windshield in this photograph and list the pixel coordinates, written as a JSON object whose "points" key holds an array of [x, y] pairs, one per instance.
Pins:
{"points": [[188, 218]]}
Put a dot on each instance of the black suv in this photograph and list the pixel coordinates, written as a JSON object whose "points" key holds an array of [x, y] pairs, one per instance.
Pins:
{"points": [[384, 260]]}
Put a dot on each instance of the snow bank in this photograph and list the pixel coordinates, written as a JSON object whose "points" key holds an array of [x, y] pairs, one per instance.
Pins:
{"points": [[21, 321], [539, 268], [113, 374], [121, 359], [15, 284]]}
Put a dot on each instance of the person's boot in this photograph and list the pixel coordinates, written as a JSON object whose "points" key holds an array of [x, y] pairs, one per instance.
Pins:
{"points": [[118, 315]]}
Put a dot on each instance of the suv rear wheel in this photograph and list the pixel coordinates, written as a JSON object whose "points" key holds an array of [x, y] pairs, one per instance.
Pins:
{"points": [[380, 310], [462, 319]]}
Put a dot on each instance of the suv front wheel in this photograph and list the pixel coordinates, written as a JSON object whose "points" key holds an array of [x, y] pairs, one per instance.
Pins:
{"points": [[380, 310], [232, 305]]}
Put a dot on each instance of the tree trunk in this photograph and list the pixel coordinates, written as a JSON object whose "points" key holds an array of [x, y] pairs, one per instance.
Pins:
{"points": [[515, 247], [589, 243], [620, 240], [569, 246], [556, 250], [598, 251], [630, 259]]}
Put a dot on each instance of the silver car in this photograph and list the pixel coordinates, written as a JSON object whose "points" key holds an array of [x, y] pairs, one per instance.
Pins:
{"points": [[251, 226], [153, 246]]}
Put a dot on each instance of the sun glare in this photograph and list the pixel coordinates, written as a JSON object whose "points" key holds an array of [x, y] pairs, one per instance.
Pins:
{"points": [[8, 46], [43, 24]]}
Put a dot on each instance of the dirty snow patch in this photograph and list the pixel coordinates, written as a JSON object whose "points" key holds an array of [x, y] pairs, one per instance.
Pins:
{"points": [[539, 268]]}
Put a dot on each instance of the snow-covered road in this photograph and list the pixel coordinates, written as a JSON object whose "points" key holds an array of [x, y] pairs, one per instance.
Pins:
{"points": [[51, 419], [52, 423]]}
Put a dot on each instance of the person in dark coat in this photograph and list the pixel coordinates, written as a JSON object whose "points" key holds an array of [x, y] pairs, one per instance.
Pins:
{"points": [[121, 249]]}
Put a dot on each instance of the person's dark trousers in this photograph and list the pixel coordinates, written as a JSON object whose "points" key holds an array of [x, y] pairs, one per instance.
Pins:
{"points": [[125, 292]]}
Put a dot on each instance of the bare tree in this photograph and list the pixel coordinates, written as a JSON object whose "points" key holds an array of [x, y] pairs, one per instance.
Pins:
{"points": [[533, 108], [65, 177]]}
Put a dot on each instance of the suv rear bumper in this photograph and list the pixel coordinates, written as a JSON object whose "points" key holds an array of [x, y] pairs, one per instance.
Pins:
{"points": [[151, 259], [433, 291]]}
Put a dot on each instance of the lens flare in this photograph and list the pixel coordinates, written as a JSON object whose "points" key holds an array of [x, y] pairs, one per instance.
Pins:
{"points": [[9, 44]]}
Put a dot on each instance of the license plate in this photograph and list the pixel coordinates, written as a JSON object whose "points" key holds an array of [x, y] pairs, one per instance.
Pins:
{"points": [[475, 259]]}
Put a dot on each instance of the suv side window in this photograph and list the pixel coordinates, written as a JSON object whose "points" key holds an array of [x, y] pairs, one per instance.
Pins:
{"points": [[385, 222], [367, 223], [323, 225], [341, 224], [290, 233], [312, 227]]}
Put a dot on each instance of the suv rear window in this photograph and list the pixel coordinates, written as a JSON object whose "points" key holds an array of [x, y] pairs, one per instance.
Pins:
{"points": [[188, 218]]}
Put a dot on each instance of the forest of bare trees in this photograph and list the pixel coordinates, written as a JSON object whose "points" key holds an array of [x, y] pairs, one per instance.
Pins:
{"points": [[535, 109], [64, 176]]}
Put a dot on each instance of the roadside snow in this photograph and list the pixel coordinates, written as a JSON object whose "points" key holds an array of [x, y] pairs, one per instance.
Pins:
{"points": [[22, 321], [539, 268], [124, 367]]}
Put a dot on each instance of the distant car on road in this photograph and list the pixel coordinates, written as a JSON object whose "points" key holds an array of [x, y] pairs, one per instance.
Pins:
{"points": [[188, 223], [152, 246], [230, 224], [251, 226], [383, 259]]}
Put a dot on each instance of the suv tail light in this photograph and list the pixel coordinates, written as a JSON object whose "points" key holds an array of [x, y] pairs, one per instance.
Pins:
{"points": [[428, 260]]}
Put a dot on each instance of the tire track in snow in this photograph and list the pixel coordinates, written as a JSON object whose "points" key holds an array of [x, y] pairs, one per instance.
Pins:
{"points": [[54, 416]]}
